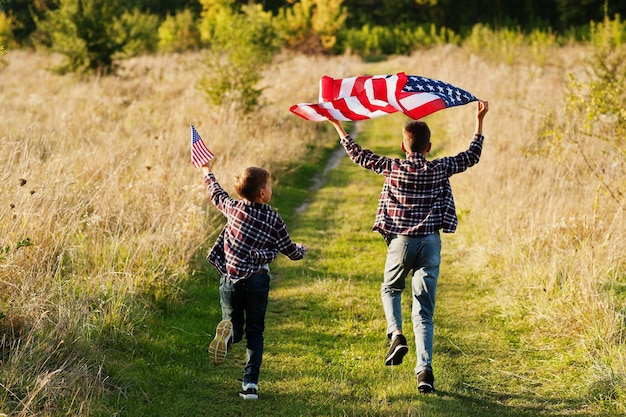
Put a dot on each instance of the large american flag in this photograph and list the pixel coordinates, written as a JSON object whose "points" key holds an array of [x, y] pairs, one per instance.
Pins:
{"points": [[367, 97], [200, 154]]}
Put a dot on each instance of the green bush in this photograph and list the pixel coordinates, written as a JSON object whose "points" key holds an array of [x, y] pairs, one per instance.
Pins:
{"points": [[137, 32], [241, 43], [397, 40], [511, 45], [495, 46], [179, 32], [6, 31], [92, 34], [311, 26], [353, 41]]}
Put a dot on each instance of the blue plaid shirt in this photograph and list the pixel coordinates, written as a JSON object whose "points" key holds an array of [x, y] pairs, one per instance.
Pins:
{"points": [[252, 238], [416, 198]]}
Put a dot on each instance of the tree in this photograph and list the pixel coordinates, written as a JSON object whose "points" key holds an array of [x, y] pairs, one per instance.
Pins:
{"points": [[311, 26], [242, 43], [85, 31]]}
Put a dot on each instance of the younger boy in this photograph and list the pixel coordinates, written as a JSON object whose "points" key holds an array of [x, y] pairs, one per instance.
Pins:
{"points": [[415, 203], [252, 238]]}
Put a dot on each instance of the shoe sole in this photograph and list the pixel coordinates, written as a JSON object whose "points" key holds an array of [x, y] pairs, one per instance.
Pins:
{"points": [[249, 396], [396, 357], [219, 346], [425, 388]]}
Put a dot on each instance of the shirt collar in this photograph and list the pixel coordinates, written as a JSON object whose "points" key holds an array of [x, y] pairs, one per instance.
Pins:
{"points": [[413, 156]]}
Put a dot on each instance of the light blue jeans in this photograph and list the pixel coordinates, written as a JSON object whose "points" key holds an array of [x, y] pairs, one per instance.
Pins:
{"points": [[422, 255]]}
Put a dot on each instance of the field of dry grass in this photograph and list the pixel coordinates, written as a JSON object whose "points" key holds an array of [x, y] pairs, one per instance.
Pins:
{"points": [[102, 213]]}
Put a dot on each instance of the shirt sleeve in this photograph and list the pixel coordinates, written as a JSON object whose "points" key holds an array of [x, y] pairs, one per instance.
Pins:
{"points": [[462, 161], [218, 196], [284, 243], [265, 256], [364, 157]]}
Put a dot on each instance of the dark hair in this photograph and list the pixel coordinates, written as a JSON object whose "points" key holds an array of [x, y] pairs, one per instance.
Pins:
{"points": [[417, 136], [249, 181]]}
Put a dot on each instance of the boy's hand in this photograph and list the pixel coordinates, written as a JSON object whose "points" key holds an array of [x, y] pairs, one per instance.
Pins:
{"points": [[482, 109], [338, 127], [206, 168]]}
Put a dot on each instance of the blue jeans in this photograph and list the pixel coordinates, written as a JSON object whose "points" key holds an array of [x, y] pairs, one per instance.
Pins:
{"points": [[244, 303], [422, 255]]}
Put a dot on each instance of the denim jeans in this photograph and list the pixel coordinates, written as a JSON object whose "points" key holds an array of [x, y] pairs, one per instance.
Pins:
{"points": [[244, 303], [422, 255]]}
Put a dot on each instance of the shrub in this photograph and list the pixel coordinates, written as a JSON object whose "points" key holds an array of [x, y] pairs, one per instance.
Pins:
{"points": [[6, 31], [511, 45], [179, 32], [242, 43], [397, 40], [137, 32], [311, 26], [92, 33]]}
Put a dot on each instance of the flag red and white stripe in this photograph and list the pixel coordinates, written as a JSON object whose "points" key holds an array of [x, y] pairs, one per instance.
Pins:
{"points": [[367, 97], [200, 154]]}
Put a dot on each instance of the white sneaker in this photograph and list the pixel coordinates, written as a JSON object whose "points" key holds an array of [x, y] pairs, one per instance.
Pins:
{"points": [[249, 391]]}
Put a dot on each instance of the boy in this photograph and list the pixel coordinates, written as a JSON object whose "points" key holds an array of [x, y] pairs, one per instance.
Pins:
{"points": [[253, 236], [415, 203]]}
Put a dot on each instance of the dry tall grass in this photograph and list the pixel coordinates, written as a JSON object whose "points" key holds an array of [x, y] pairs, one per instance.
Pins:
{"points": [[101, 208]]}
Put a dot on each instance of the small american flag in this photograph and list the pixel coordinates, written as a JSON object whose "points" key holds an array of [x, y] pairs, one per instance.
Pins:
{"points": [[367, 97], [200, 154]]}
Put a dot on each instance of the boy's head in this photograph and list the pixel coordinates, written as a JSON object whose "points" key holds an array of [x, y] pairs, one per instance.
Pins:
{"points": [[253, 184], [416, 137]]}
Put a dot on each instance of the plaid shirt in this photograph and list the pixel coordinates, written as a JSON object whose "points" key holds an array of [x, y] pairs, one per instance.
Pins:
{"points": [[416, 198], [252, 238]]}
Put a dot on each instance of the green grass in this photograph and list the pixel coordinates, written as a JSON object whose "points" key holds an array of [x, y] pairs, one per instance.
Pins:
{"points": [[325, 335]]}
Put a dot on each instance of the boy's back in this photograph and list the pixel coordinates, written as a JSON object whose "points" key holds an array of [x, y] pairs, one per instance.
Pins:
{"points": [[253, 236], [415, 203]]}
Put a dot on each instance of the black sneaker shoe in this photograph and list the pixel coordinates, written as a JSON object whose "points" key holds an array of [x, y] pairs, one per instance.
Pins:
{"points": [[397, 350], [249, 391], [219, 346], [426, 382]]}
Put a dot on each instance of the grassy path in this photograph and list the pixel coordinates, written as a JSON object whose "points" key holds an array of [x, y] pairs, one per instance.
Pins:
{"points": [[325, 332]]}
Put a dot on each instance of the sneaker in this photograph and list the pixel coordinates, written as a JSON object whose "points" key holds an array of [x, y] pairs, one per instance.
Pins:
{"points": [[219, 346], [397, 349], [426, 382], [249, 391]]}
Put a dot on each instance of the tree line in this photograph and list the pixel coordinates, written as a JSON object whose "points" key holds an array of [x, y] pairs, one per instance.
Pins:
{"points": [[240, 37], [457, 15]]}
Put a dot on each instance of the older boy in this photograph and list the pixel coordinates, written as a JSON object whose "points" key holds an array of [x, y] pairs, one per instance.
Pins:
{"points": [[252, 238], [415, 203]]}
